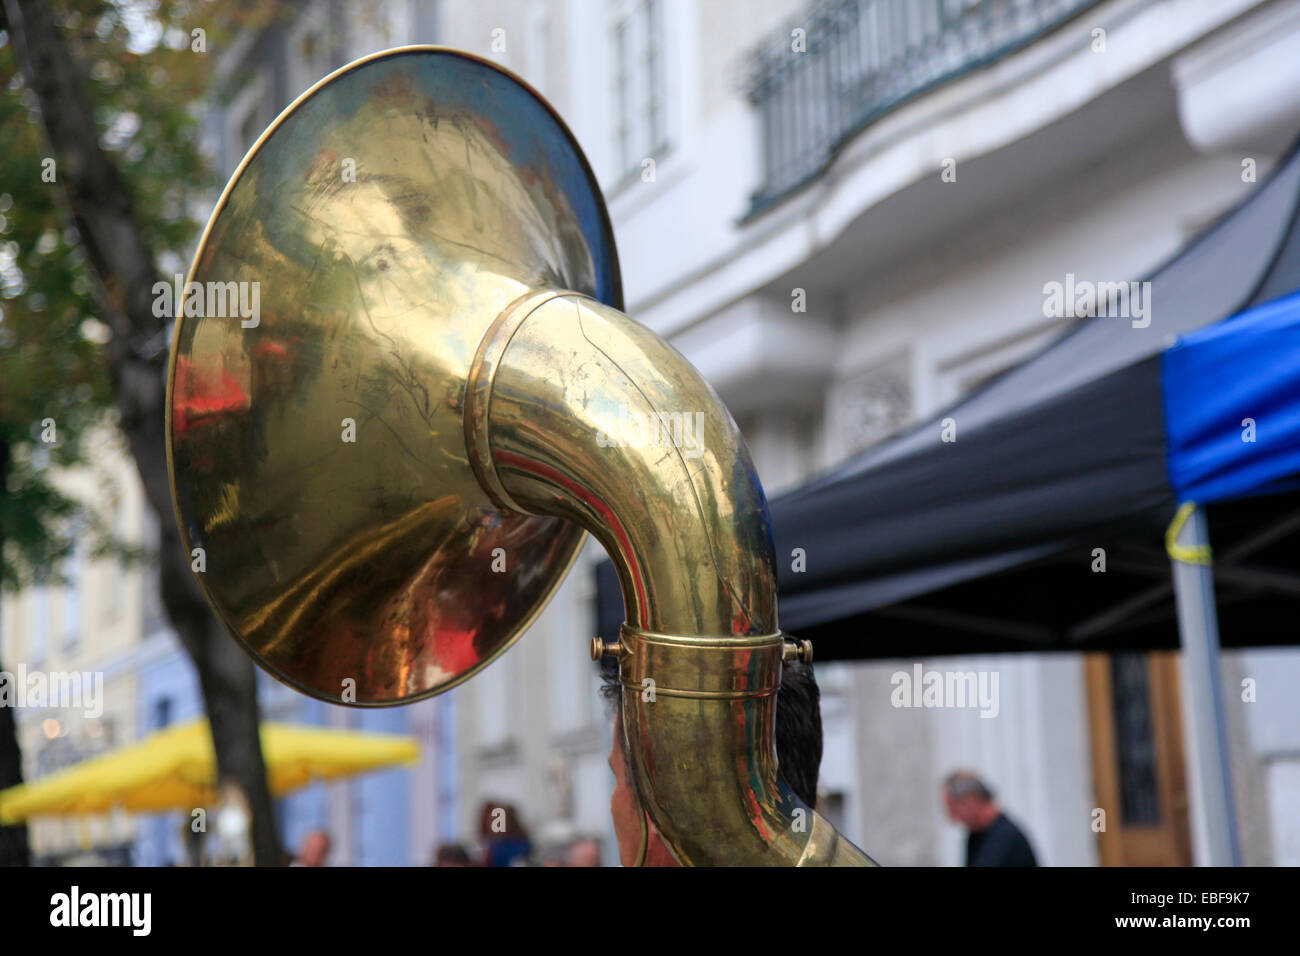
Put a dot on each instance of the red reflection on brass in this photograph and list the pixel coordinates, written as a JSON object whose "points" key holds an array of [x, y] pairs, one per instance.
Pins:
{"points": [[204, 396]]}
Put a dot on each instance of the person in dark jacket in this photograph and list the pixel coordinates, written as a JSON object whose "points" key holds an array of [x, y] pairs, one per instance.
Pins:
{"points": [[993, 839]]}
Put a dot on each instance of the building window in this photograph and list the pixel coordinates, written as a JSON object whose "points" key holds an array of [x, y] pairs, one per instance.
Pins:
{"points": [[162, 712], [1135, 740], [639, 109], [871, 406]]}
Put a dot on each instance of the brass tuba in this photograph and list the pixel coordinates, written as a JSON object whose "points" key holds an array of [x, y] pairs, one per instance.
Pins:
{"points": [[399, 391]]}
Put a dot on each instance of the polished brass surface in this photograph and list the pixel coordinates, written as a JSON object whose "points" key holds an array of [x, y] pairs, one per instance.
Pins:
{"points": [[387, 216], [459, 302]]}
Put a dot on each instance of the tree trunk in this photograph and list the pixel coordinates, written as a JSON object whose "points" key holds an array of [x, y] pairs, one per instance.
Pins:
{"points": [[14, 850], [101, 210], [13, 839]]}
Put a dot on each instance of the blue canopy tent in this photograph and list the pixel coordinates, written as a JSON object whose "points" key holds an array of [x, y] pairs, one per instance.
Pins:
{"points": [[1232, 405], [1221, 385]]}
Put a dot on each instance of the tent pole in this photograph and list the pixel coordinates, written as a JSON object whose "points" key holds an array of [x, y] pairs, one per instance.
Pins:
{"points": [[1205, 729]]}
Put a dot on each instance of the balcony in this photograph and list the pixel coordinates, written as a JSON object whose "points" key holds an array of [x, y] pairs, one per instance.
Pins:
{"points": [[858, 59]]}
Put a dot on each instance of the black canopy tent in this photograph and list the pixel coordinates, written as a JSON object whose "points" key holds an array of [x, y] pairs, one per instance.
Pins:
{"points": [[987, 543]]}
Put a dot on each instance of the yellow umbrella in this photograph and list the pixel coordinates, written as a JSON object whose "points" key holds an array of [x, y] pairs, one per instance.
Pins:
{"points": [[174, 769]]}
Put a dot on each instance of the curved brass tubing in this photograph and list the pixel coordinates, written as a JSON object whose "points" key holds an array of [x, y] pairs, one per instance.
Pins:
{"points": [[574, 410]]}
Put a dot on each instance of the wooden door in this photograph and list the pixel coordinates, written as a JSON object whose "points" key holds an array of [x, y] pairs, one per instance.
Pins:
{"points": [[1137, 759]]}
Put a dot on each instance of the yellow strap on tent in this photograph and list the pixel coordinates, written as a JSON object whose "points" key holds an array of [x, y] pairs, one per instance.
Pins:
{"points": [[1199, 554]]}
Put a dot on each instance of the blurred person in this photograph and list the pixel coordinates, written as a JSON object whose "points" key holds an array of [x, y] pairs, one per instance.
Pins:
{"points": [[993, 840], [584, 852], [315, 849], [505, 841], [452, 854], [553, 841], [192, 843], [556, 857], [231, 844], [798, 752]]}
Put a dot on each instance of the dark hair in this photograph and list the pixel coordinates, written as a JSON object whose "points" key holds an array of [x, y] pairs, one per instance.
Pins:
{"points": [[963, 783], [509, 816], [798, 724]]}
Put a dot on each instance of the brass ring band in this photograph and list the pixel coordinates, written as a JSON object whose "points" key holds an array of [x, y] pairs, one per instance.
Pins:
{"points": [[701, 694], [701, 667], [702, 640], [478, 393]]}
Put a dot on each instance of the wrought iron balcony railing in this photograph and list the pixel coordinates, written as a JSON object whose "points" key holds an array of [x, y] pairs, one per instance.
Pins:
{"points": [[858, 59]]}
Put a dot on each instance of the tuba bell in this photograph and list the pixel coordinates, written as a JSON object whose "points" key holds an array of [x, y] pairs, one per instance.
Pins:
{"points": [[433, 384]]}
